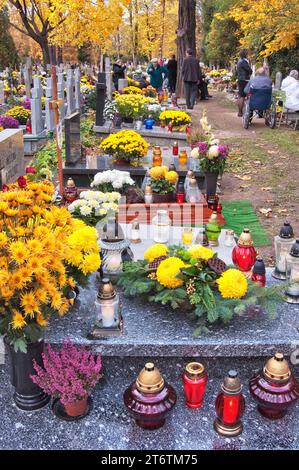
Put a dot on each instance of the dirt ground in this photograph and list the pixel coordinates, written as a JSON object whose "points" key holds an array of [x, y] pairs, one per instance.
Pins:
{"points": [[263, 166]]}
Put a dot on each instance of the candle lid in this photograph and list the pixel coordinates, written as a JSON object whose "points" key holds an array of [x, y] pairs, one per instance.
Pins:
{"points": [[70, 183], [286, 230], [195, 369], [277, 368], [232, 384], [295, 249], [259, 266], [106, 290], [148, 189], [245, 238], [150, 379], [214, 218]]}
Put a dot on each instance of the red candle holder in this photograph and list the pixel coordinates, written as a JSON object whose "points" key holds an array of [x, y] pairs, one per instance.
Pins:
{"points": [[150, 398], [244, 254], [175, 149], [259, 272], [230, 406], [274, 388], [195, 380]]}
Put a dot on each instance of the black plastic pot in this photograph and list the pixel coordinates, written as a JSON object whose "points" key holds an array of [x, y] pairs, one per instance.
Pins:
{"points": [[27, 395], [211, 183]]}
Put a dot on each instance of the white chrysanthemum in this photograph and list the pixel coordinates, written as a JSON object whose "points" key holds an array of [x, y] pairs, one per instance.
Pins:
{"points": [[195, 153], [85, 210], [213, 151], [215, 142]]}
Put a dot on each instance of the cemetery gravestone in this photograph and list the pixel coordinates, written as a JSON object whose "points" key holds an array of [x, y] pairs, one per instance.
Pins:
{"points": [[28, 76], [49, 112], [70, 92], [108, 77], [36, 107], [60, 94], [72, 139], [101, 96], [11, 155], [77, 89]]}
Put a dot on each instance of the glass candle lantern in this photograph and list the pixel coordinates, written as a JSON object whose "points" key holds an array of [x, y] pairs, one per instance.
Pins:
{"points": [[148, 195], [170, 126], [259, 272], [70, 193], [282, 244], [135, 231], [244, 254], [213, 229], [157, 156], [107, 304], [195, 380], [230, 406], [180, 193], [193, 192], [213, 202], [187, 235], [202, 238], [229, 238], [161, 227], [175, 149], [183, 157], [146, 180], [189, 175], [292, 274], [149, 123], [163, 124]]}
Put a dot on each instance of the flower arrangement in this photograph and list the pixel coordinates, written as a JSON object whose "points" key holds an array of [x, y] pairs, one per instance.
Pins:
{"points": [[132, 90], [69, 374], [132, 106], [19, 113], [150, 91], [132, 82], [210, 153], [179, 119], [163, 181], [195, 280], [111, 180], [153, 109], [44, 253], [8, 122], [127, 145], [110, 110], [93, 206], [26, 103]]}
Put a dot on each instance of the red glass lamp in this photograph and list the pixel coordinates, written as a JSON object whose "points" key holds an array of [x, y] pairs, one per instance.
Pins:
{"points": [[195, 380], [274, 388], [175, 149], [259, 272], [150, 398], [230, 406], [180, 194], [244, 254]]}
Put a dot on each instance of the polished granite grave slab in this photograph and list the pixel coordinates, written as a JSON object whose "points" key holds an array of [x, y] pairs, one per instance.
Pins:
{"points": [[154, 330], [109, 427]]}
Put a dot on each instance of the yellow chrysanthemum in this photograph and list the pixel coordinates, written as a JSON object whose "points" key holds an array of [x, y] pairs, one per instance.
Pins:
{"points": [[29, 303], [35, 263], [64, 307], [35, 246], [17, 281], [167, 272], [232, 284], [19, 252], [40, 320], [198, 251], [90, 263], [41, 295], [18, 321], [3, 239], [172, 176], [155, 251], [26, 273], [157, 172], [56, 301], [71, 282], [7, 292]]}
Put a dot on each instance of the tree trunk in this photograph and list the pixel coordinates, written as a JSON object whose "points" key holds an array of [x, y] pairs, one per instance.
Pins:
{"points": [[46, 51], [185, 37], [59, 55]]}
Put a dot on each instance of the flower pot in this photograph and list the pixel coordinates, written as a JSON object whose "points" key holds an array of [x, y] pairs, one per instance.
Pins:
{"points": [[211, 183], [27, 395], [161, 198], [77, 408], [128, 120]]}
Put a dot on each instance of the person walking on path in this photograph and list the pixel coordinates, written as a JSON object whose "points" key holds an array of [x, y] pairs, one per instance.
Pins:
{"points": [[191, 74], [244, 72], [157, 74], [172, 68]]}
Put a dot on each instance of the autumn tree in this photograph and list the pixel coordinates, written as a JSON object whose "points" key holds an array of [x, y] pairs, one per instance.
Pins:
{"points": [[68, 22], [8, 52]]}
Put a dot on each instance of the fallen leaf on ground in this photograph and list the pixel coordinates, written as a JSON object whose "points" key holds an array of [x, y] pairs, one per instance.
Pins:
{"points": [[244, 186], [282, 211], [257, 162], [267, 188], [243, 178], [266, 212]]}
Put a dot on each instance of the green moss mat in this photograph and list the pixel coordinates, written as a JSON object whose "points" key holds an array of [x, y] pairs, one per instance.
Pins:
{"points": [[244, 216]]}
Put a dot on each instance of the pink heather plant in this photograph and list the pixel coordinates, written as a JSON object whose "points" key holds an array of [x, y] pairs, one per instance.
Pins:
{"points": [[68, 374]]}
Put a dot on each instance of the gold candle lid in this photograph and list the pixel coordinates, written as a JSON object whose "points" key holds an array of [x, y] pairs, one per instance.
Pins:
{"points": [[70, 183], [277, 368], [214, 218], [232, 383], [106, 290], [148, 189], [150, 379], [195, 369], [245, 238]]}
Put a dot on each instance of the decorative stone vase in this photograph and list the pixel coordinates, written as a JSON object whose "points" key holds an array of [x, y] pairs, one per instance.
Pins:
{"points": [[211, 183], [27, 395], [150, 398], [78, 408], [161, 198]]}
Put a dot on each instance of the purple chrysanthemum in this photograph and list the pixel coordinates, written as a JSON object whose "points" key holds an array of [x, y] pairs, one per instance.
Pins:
{"points": [[8, 122], [26, 103], [203, 147], [223, 150]]}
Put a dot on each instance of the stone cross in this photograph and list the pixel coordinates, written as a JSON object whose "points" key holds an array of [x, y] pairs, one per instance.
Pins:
{"points": [[108, 77], [60, 94], [278, 80], [49, 112], [77, 89], [122, 83], [36, 107], [70, 92], [1, 92]]}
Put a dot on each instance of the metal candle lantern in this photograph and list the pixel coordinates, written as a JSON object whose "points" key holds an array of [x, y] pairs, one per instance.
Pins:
{"points": [[230, 406], [193, 192], [180, 193], [114, 249], [292, 274], [259, 272], [70, 191], [108, 311], [274, 388], [195, 380], [282, 244], [150, 398], [213, 229], [135, 231], [244, 254]]}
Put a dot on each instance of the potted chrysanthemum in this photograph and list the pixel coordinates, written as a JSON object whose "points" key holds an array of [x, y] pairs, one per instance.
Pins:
{"points": [[126, 147], [163, 183]]}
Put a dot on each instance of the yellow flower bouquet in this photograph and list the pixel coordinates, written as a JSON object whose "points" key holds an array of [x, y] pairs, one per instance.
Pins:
{"points": [[197, 281], [162, 180], [19, 113], [44, 254], [133, 106], [125, 145], [132, 90], [179, 119]]}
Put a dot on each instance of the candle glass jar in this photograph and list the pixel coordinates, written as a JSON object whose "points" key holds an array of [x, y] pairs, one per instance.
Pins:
{"points": [[157, 156], [195, 380], [292, 274], [183, 157], [229, 238], [193, 192], [282, 244], [107, 304], [161, 227], [187, 236], [175, 149], [244, 254]]}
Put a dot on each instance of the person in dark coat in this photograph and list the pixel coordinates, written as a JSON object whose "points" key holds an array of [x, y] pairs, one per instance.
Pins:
{"points": [[157, 74], [244, 72], [118, 72], [172, 67], [191, 74]]}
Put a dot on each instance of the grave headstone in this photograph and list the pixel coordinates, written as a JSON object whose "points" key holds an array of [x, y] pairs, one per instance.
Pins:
{"points": [[70, 92], [37, 123], [101, 96], [1, 92], [278, 80], [77, 89], [72, 138], [122, 83], [108, 77], [11, 155], [49, 112], [60, 94]]}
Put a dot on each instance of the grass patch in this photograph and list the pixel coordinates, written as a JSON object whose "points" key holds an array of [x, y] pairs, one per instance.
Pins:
{"points": [[286, 140]]}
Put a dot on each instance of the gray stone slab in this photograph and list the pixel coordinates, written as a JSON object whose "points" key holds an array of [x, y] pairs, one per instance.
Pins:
{"points": [[72, 138], [109, 426], [153, 330], [156, 136], [11, 155]]}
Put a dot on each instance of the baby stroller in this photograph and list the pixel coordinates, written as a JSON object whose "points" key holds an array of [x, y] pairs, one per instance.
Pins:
{"points": [[261, 103]]}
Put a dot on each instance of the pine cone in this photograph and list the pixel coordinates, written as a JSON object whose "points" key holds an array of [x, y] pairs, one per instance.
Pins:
{"points": [[217, 265], [153, 266]]}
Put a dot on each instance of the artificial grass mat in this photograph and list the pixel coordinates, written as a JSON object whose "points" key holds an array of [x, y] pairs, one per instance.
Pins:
{"points": [[244, 216]]}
